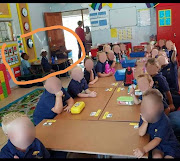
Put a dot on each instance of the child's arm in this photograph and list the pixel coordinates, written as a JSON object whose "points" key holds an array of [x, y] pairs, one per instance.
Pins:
{"points": [[136, 100], [91, 75], [170, 100], [32, 72], [113, 64], [70, 103], [143, 127], [58, 108], [104, 74], [94, 81], [173, 57]]}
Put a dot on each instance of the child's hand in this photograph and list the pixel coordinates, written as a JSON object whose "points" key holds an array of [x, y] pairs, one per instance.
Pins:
{"points": [[111, 73], [67, 109], [132, 91], [139, 152], [172, 108], [16, 157], [52, 70], [60, 94], [174, 47], [91, 82], [92, 94], [143, 118]]}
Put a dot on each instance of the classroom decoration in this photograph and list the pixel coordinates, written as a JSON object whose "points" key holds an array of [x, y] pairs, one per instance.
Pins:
{"points": [[125, 100], [5, 89], [25, 26], [144, 17], [114, 33], [125, 33], [11, 54], [77, 107], [5, 11], [150, 5], [20, 44], [128, 80], [25, 104], [98, 6], [164, 17]]}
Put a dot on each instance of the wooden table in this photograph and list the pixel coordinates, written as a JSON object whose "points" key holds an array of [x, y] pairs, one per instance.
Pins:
{"points": [[91, 105], [93, 137], [121, 112]]}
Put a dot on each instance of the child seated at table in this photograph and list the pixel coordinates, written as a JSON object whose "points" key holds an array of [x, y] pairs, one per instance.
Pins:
{"points": [[53, 101], [44, 62], [21, 138], [168, 70], [154, 122], [89, 72], [148, 53], [144, 83], [100, 66], [123, 49], [78, 83], [160, 83], [106, 48], [117, 52], [162, 44], [111, 59]]}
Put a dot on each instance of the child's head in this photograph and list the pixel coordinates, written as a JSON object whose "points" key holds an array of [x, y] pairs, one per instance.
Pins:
{"points": [[106, 48], [144, 82], [53, 85], [152, 66], [152, 106], [169, 44], [122, 47], [77, 74], [102, 57], [24, 56], [154, 53], [161, 43], [19, 129], [116, 49], [88, 63], [110, 55], [162, 52], [162, 60], [149, 48], [80, 23], [43, 53]]}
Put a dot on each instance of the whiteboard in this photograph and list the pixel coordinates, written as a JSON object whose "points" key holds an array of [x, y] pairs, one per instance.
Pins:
{"points": [[122, 17]]}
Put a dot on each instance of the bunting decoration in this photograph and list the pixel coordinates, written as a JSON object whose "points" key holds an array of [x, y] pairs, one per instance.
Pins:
{"points": [[150, 5], [99, 6]]}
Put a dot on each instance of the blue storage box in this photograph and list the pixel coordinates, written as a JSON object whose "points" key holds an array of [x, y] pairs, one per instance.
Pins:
{"points": [[129, 63], [137, 54], [120, 74]]}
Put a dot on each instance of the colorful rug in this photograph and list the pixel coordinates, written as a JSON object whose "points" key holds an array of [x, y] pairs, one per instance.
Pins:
{"points": [[25, 104]]}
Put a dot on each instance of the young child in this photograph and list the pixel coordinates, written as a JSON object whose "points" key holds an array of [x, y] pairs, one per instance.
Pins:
{"points": [[21, 138], [44, 62], [53, 100], [154, 122], [89, 72], [100, 66], [148, 53], [106, 48], [123, 49], [154, 53], [169, 71], [171, 51], [111, 59], [78, 84], [27, 70], [117, 52], [161, 44], [145, 82], [160, 82]]}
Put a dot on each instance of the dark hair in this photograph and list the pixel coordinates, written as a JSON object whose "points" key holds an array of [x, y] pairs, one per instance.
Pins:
{"points": [[79, 23], [22, 55]]}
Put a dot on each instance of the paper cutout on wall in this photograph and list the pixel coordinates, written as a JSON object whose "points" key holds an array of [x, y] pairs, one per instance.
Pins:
{"points": [[144, 18], [107, 4], [114, 33], [99, 6], [125, 33]]}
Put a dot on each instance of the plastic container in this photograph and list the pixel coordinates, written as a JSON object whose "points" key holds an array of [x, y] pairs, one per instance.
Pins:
{"points": [[129, 63], [77, 107], [94, 52], [137, 54], [120, 74], [52, 59], [125, 100]]}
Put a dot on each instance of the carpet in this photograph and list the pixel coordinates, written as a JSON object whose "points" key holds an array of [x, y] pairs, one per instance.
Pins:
{"points": [[25, 104]]}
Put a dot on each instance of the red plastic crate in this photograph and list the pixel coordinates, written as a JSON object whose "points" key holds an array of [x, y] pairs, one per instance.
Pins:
{"points": [[94, 52]]}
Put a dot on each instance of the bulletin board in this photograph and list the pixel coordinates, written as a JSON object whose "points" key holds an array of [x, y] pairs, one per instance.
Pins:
{"points": [[5, 11], [22, 20], [12, 55]]}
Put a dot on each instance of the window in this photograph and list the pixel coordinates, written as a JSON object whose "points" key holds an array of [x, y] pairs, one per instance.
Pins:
{"points": [[164, 17], [6, 33]]}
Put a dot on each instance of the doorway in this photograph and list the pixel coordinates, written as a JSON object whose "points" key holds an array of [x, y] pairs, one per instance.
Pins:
{"points": [[70, 19]]}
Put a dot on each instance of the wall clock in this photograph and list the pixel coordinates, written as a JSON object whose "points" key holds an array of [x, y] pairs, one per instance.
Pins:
{"points": [[26, 26], [29, 43], [24, 12]]}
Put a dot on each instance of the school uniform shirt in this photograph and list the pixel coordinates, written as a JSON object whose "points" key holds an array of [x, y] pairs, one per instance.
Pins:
{"points": [[46, 66], [100, 67], [110, 62], [75, 87], [35, 150], [25, 65], [171, 73], [45, 104], [87, 75], [162, 129]]}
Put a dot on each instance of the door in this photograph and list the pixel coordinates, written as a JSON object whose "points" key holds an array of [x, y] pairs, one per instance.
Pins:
{"points": [[168, 23], [55, 37]]}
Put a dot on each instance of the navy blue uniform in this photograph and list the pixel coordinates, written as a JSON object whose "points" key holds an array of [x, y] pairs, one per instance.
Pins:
{"points": [[162, 129], [75, 87], [45, 104], [110, 62], [35, 150], [46, 66], [87, 75], [171, 73], [100, 67]]}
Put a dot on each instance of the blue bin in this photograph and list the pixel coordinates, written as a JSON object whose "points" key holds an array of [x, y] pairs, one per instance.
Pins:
{"points": [[70, 54], [129, 63], [137, 54], [120, 74]]}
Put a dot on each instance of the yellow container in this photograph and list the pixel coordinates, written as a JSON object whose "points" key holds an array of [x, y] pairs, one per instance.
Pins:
{"points": [[2, 76], [2, 96], [77, 107]]}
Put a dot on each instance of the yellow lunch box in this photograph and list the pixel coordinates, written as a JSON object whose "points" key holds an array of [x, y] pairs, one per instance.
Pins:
{"points": [[77, 107]]}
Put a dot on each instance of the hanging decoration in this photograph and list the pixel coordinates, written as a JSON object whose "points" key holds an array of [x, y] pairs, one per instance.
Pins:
{"points": [[99, 6], [150, 5]]}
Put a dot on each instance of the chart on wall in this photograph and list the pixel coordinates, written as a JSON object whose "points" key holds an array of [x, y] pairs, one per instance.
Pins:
{"points": [[125, 33], [99, 20], [144, 18]]}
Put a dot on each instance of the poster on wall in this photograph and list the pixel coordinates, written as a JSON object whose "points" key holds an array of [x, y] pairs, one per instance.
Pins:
{"points": [[125, 33], [144, 17]]}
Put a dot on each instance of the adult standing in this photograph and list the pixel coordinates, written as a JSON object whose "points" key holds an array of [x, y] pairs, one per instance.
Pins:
{"points": [[80, 32], [88, 40]]}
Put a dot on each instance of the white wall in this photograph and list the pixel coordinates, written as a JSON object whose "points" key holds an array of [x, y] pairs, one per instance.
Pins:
{"points": [[140, 34]]}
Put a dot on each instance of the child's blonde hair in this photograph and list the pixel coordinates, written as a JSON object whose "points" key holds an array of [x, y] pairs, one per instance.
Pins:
{"points": [[106, 45], [147, 76], [10, 117], [98, 53], [153, 61]]}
